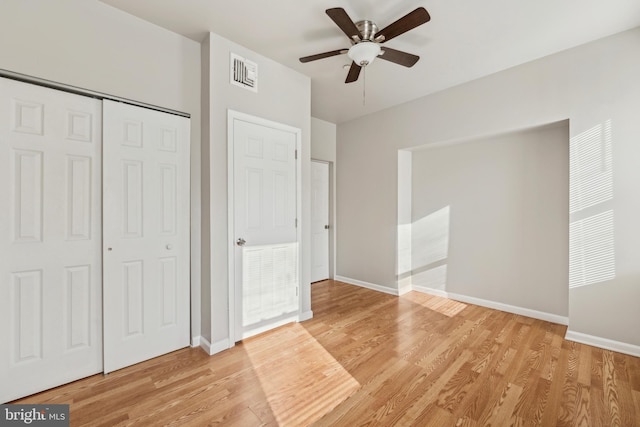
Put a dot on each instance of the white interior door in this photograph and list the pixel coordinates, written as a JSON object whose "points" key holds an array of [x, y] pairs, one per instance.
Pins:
{"points": [[50, 261], [265, 225], [146, 234], [319, 221]]}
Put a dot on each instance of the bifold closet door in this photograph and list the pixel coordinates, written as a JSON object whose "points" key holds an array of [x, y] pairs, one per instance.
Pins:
{"points": [[146, 234], [50, 238]]}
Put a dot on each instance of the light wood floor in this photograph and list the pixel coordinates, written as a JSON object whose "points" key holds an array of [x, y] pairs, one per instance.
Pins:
{"points": [[368, 358]]}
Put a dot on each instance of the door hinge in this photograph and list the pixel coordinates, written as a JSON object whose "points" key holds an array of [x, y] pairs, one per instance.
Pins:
{"points": [[296, 154], [296, 291], [296, 222]]}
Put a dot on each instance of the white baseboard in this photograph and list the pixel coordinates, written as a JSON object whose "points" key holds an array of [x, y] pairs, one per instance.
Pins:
{"points": [[430, 291], [216, 347], [404, 289], [367, 285], [305, 316], [541, 315], [195, 341], [605, 343]]}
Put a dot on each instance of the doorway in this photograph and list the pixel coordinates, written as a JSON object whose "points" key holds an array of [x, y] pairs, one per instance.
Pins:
{"points": [[320, 224]]}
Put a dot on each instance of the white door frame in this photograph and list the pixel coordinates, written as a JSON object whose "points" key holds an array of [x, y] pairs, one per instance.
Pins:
{"points": [[233, 116]]}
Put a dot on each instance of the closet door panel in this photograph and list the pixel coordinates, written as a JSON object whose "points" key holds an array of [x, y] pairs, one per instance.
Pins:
{"points": [[50, 238], [146, 234]]}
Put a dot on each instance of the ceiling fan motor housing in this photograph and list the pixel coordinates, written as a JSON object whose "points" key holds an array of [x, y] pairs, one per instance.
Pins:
{"points": [[368, 29]]}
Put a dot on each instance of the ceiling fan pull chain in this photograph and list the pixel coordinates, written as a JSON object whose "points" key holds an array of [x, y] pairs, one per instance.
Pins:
{"points": [[364, 85]]}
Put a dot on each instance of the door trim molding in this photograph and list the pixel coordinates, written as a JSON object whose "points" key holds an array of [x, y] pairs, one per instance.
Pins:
{"points": [[233, 116]]}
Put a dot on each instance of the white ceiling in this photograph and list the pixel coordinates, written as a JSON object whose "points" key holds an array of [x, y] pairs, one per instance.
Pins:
{"points": [[465, 39]]}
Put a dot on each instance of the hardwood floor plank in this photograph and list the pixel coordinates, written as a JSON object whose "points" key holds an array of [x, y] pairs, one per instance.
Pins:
{"points": [[584, 370], [454, 391], [596, 368], [634, 374], [568, 403], [536, 408], [610, 388], [501, 411], [625, 398], [596, 407], [582, 413], [556, 375], [636, 401], [368, 358], [432, 416], [526, 405]]}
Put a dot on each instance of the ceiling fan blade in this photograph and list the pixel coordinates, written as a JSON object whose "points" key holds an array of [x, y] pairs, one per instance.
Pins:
{"points": [[399, 57], [354, 73], [404, 24], [342, 20], [322, 55]]}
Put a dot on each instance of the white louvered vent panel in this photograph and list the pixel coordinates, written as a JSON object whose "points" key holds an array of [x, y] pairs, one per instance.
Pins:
{"points": [[243, 73]]}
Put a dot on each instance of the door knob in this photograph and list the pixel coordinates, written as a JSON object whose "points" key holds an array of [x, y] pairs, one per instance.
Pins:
{"points": [[326, 227], [240, 242], [169, 246]]}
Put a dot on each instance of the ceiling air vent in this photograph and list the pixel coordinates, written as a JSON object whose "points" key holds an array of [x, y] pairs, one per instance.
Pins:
{"points": [[244, 73]]}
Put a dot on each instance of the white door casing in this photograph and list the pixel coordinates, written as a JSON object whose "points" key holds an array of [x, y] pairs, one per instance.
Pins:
{"points": [[146, 234], [50, 238], [264, 211], [319, 221]]}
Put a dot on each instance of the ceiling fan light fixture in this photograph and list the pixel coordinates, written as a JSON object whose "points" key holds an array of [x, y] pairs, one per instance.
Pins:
{"points": [[364, 53]]}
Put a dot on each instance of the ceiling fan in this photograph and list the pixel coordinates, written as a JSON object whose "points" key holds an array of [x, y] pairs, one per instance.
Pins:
{"points": [[366, 40]]}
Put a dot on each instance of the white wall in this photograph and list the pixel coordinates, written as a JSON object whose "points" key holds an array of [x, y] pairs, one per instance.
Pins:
{"points": [[88, 44], [323, 140], [490, 219], [589, 85], [283, 96], [205, 259]]}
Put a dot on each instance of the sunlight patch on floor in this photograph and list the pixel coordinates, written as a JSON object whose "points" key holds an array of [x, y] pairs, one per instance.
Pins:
{"points": [[284, 375], [446, 306]]}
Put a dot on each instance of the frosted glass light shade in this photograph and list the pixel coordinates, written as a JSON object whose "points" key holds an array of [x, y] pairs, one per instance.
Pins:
{"points": [[364, 52]]}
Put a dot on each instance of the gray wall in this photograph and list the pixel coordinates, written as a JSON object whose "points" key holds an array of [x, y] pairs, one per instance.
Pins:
{"points": [[323, 140], [283, 96], [88, 44], [490, 218], [589, 85]]}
